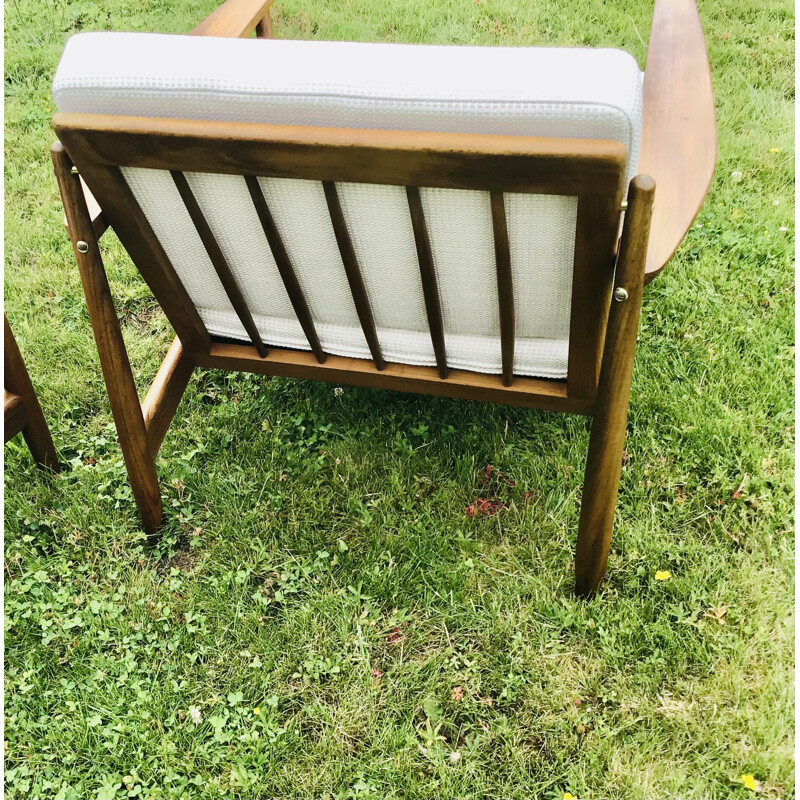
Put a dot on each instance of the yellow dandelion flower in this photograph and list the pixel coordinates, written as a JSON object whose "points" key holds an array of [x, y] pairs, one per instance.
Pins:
{"points": [[774, 149], [569, 796], [663, 575], [256, 710], [750, 782]]}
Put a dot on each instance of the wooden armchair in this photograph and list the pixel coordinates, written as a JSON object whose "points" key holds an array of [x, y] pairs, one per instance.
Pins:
{"points": [[21, 406], [394, 227]]}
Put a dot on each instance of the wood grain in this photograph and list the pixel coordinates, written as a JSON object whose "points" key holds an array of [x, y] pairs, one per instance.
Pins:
{"points": [[110, 347], [137, 236], [679, 133], [487, 162], [164, 395], [218, 260], [285, 268], [27, 411], [353, 272], [604, 459], [505, 285], [592, 275], [528, 392], [235, 19], [430, 288]]}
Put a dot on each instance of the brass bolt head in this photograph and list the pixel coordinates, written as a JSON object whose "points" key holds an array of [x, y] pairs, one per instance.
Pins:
{"points": [[620, 294], [82, 247]]}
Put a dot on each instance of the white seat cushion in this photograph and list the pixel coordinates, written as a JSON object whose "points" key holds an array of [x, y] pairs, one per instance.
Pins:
{"points": [[554, 92]]}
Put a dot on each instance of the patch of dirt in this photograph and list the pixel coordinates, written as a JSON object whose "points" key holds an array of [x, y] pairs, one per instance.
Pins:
{"points": [[185, 560], [142, 316]]}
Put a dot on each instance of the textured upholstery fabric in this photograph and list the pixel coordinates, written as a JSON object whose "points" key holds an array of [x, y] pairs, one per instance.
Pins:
{"points": [[579, 93]]}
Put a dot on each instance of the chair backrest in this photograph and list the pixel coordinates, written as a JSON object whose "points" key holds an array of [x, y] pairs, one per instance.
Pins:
{"points": [[444, 206]]}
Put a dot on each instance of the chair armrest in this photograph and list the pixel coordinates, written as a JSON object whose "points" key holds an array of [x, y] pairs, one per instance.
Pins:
{"points": [[679, 134], [237, 19]]}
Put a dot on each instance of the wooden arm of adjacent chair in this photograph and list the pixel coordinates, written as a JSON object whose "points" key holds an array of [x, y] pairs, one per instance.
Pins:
{"points": [[236, 19], [679, 134]]}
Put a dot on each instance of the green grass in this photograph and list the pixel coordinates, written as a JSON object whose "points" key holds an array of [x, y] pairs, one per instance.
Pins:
{"points": [[317, 562]]}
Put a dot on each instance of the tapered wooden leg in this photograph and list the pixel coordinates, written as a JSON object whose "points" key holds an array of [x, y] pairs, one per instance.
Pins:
{"points": [[26, 410], [604, 460], [110, 346], [264, 27]]}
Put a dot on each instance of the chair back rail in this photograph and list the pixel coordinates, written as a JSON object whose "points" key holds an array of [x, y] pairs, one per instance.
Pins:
{"points": [[591, 170]]}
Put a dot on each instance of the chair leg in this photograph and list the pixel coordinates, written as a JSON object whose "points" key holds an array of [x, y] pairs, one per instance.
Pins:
{"points": [[35, 430], [604, 460], [264, 27], [114, 360]]}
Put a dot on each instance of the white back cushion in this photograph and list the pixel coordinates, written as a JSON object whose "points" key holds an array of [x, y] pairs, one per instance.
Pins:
{"points": [[558, 92]]}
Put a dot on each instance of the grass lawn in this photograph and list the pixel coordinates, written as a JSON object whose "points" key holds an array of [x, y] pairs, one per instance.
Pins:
{"points": [[321, 617]]}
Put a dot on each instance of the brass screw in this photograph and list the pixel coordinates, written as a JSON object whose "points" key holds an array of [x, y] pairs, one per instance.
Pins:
{"points": [[623, 206], [82, 247], [620, 294], [74, 170]]}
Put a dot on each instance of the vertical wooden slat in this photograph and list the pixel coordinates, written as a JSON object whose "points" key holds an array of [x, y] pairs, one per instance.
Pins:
{"points": [[218, 260], [505, 286], [430, 290], [287, 273], [593, 271], [353, 273]]}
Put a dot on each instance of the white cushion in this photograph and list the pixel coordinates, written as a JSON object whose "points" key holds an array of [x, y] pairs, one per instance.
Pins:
{"points": [[559, 92]]}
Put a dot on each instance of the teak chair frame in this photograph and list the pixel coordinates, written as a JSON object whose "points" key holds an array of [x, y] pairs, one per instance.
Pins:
{"points": [[92, 148], [22, 411]]}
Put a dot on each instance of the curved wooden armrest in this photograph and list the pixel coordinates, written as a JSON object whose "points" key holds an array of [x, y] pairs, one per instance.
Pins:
{"points": [[679, 134], [236, 19]]}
